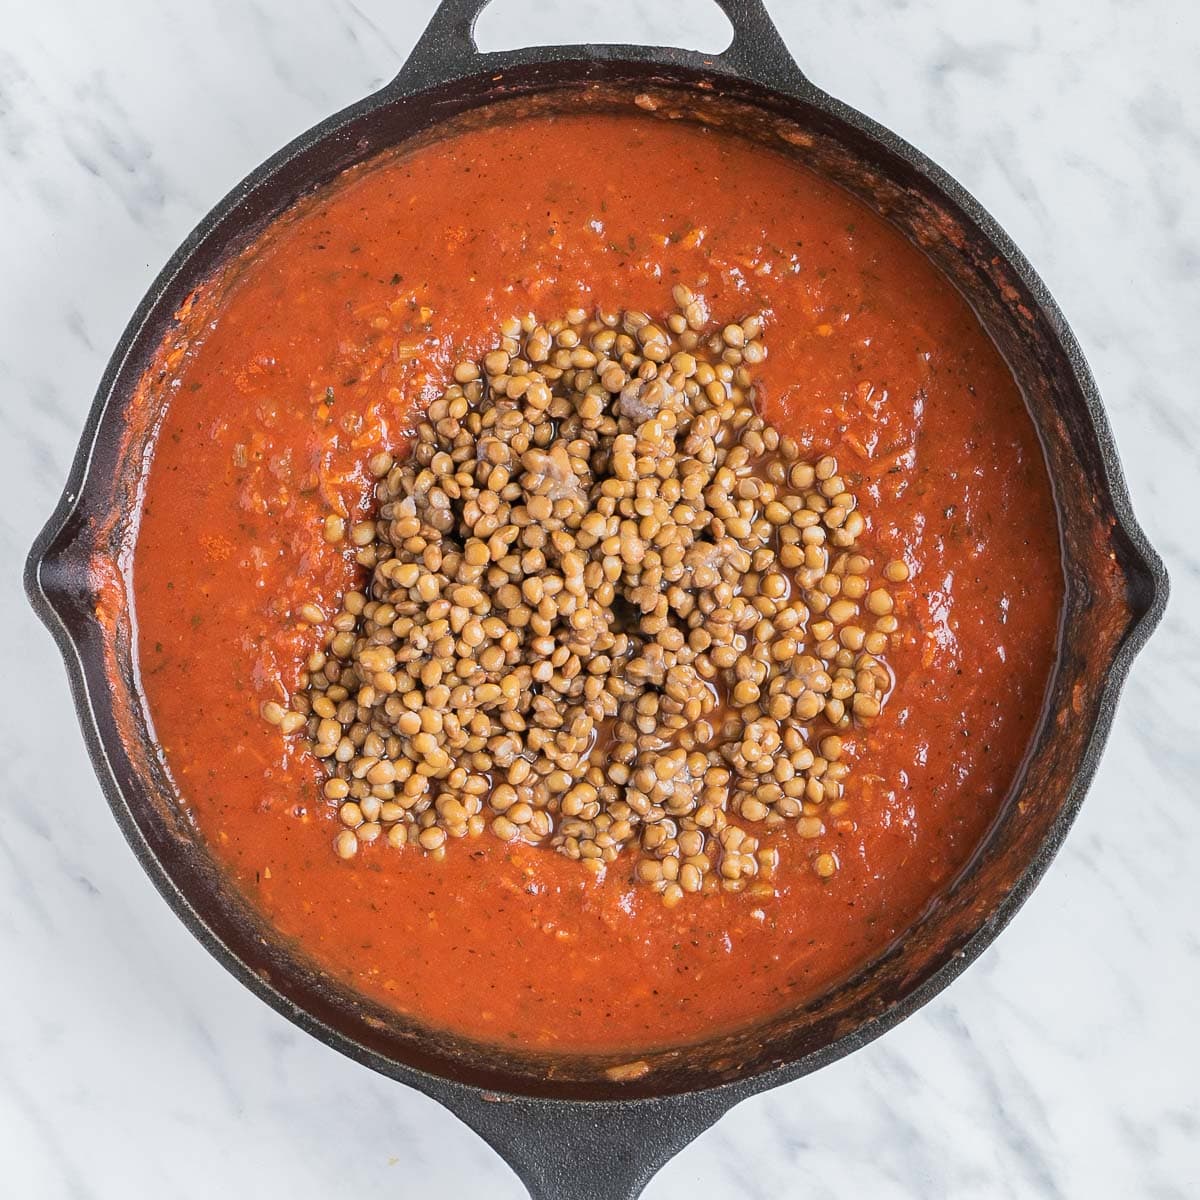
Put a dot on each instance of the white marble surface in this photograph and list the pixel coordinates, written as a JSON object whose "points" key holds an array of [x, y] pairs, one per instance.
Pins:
{"points": [[1064, 1064]]}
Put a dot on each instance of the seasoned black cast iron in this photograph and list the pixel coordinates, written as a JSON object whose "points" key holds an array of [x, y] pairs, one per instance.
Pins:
{"points": [[564, 1126]]}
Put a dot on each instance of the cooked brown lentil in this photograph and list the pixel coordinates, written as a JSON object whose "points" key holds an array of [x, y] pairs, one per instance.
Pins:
{"points": [[608, 607]]}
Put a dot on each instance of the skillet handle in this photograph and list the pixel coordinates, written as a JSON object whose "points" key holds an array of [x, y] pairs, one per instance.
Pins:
{"points": [[447, 51], [588, 1150]]}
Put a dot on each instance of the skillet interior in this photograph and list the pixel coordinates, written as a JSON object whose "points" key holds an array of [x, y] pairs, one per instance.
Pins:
{"points": [[1111, 587]]}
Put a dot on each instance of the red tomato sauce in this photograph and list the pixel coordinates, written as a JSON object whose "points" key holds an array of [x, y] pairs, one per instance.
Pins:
{"points": [[311, 351]]}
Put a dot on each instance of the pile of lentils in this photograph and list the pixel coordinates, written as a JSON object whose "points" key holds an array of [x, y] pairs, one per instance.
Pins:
{"points": [[607, 608]]}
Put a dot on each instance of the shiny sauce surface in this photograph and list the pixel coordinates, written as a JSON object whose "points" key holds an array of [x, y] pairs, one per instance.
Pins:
{"points": [[314, 349]]}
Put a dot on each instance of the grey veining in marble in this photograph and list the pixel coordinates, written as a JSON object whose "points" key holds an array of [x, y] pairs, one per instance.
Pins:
{"points": [[1063, 1064]]}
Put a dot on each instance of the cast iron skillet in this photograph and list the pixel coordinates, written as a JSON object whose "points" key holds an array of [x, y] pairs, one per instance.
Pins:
{"points": [[568, 1127]]}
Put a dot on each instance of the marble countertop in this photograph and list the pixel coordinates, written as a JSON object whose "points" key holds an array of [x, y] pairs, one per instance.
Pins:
{"points": [[1063, 1064]]}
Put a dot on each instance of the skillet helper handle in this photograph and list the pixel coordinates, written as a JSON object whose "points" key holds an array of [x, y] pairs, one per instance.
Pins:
{"points": [[758, 51], [447, 51]]}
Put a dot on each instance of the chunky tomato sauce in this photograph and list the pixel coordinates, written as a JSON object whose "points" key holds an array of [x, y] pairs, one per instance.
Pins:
{"points": [[311, 352]]}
